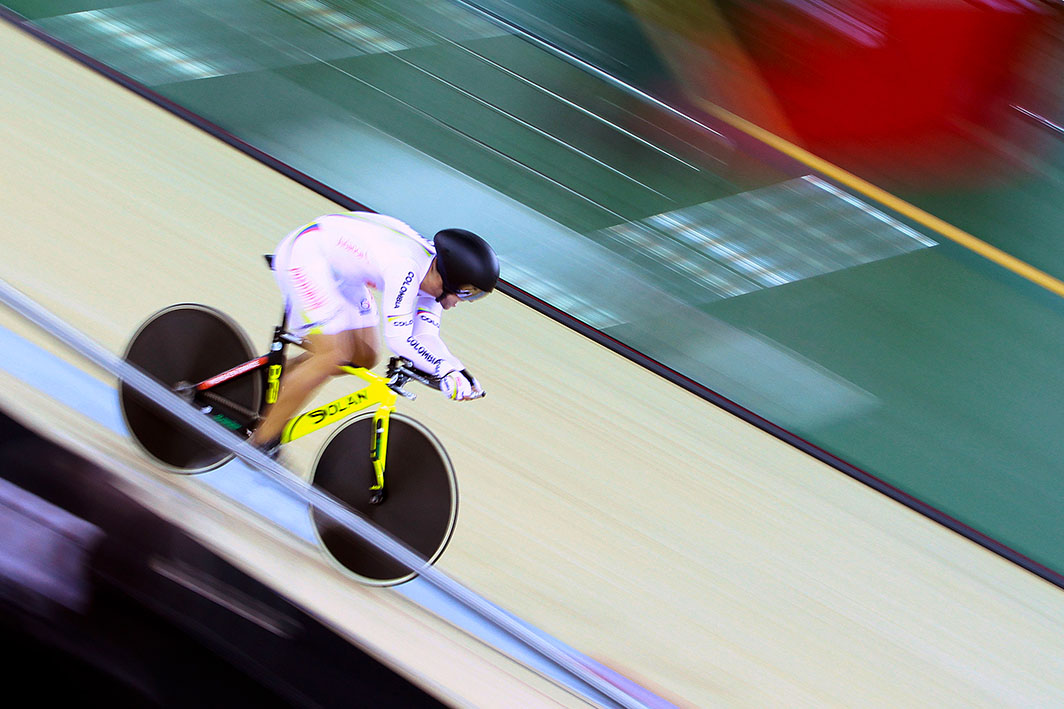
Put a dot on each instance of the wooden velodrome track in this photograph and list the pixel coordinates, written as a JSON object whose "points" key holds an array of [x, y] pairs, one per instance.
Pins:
{"points": [[625, 517]]}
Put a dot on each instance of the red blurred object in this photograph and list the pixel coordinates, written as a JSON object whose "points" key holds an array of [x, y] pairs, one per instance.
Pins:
{"points": [[881, 83]]}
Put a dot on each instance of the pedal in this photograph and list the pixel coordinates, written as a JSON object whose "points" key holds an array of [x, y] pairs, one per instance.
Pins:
{"points": [[376, 496]]}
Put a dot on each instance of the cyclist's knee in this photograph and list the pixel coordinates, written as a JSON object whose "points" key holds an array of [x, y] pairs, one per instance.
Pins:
{"points": [[363, 347], [360, 348], [366, 355], [326, 354]]}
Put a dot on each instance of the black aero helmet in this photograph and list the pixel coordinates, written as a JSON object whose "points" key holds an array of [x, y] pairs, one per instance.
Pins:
{"points": [[463, 258]]}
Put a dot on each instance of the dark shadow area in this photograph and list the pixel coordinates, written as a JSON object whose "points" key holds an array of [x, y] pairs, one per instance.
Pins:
{"points": [[101, 598]]}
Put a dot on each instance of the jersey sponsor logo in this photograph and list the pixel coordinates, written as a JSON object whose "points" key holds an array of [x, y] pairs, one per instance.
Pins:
{"points": [[351, 248], [421, 350], [394, 225], [403, 288], [400, 323], [365, 307], [429, 318], [313, 299]]}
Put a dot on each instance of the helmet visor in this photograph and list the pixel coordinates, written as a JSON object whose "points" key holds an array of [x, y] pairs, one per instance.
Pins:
{"points": [[470, 293]]}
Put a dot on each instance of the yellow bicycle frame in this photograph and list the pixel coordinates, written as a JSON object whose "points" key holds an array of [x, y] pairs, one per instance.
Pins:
{"points": [[376, 393]]}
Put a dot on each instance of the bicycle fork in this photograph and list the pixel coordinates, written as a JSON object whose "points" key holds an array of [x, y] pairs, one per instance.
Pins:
{"points": [[379, 452]]}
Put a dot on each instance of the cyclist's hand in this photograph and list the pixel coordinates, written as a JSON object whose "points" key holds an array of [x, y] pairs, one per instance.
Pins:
{"points": [[478, 391], [460, 386]]}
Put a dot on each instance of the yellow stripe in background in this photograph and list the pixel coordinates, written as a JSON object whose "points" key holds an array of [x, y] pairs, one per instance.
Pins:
{"points": [[992, 253]]}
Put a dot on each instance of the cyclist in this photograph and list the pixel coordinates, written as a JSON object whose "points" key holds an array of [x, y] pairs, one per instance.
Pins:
{"points": [[325, 271]]}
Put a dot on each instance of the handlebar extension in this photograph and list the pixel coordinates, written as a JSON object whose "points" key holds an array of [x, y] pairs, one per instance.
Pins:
{"points": [[401, 370]]}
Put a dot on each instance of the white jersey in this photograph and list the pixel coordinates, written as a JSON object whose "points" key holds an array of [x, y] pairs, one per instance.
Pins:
{"points": [[326, 267]]}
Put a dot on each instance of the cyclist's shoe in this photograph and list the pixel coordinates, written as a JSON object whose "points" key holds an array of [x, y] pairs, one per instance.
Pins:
{"points": [[271, 449]]}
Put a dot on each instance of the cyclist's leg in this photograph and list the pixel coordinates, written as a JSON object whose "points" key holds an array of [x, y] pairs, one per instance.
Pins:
{"points": [[339, 328], [361, 344], [326, 353]]}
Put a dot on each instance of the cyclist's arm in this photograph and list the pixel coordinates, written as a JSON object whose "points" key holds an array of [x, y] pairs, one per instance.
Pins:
{"points": [[427, 329], [412, 325]]}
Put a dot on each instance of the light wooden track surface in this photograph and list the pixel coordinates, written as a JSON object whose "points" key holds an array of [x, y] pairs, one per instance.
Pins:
{"points": [[627, 518]]}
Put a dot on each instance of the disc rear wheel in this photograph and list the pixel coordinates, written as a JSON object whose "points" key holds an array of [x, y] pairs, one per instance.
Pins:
{"points": [[186, 344]]}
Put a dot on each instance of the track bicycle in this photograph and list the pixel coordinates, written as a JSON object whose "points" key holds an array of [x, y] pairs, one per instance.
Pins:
{"points": [[381, 463]]}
